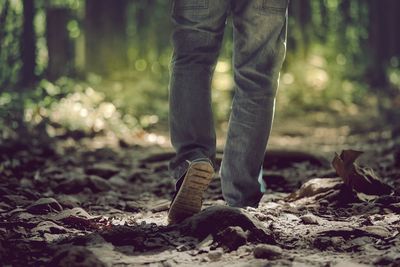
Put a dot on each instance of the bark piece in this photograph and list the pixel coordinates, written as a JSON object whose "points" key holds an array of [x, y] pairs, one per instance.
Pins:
{"points": [[215, 219]]}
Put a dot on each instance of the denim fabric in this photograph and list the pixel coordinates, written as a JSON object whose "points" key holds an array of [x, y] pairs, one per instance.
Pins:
{"points": [[259, 35]]}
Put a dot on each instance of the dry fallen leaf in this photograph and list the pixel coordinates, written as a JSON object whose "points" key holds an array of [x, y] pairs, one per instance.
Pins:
{"points": [[315, 187], [362, 180]]}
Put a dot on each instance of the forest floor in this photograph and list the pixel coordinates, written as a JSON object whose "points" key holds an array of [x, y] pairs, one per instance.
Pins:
{"points": [[103, 202]]}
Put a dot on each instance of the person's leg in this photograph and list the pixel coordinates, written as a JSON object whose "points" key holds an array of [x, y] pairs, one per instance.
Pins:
{"points": [[259, 51], [197, 36]]}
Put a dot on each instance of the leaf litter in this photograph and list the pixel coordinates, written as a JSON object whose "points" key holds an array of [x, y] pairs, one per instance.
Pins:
{"points": [[86, 206]]}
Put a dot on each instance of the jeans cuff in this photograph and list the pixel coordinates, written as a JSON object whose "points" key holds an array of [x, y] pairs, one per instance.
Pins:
{"points": [[181, 169]]}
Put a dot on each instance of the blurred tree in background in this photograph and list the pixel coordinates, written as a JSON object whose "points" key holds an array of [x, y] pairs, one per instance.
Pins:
{"points": [[92, 65]]}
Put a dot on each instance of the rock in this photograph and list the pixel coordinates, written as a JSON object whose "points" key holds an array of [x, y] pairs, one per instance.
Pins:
{"points": [[98, 184], [214, 219], [309, 219], [75, 256], [44, 205], [104, 170], [264, 251], [232, 237]]}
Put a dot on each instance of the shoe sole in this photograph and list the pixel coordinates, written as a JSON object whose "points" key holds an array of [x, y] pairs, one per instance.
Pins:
{"points": [[189, 198]]}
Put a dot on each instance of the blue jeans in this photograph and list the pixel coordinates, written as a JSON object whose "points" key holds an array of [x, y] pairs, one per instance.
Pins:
{"points": [[259, 36]]}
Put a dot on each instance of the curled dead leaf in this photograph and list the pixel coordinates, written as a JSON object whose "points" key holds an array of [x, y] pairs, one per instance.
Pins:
{"points": [[362, 180]]}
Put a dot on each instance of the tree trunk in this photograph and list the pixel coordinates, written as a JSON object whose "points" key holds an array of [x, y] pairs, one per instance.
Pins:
{"points": [[3, 16], [105, 32], [384, 42], [58, 42], [301, 13], [28, 44]]}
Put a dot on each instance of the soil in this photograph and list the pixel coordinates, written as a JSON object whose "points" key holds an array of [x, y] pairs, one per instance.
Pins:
{"points": [[103, 202]]}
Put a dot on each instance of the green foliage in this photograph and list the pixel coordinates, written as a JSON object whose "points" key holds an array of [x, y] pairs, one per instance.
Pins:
{"points": [[317, 84], [66, 105], [10, 30], [329, 56], [139, 96]]}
